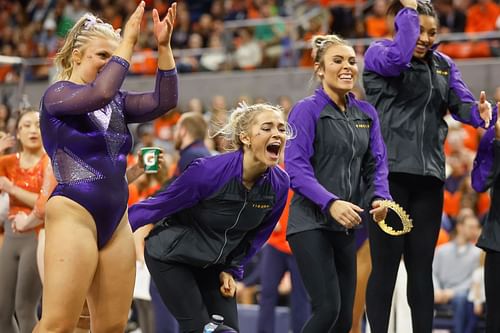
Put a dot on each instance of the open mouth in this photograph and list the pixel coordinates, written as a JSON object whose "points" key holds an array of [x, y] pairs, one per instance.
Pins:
{"points": [[274, 149]]}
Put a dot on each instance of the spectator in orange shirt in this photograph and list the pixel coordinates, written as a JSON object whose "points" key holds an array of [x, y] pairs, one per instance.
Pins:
{"points": [[147, 137], [315, 27], [145, 62], [164, 126], [482, 16], [376, 23], [21, 176], [143, 185]]}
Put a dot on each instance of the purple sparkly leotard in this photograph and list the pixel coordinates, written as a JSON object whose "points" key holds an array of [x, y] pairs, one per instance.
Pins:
{"points": [[84, 131]]}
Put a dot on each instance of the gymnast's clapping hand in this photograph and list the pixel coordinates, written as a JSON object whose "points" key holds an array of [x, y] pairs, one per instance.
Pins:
{"points": [[163, 29]]}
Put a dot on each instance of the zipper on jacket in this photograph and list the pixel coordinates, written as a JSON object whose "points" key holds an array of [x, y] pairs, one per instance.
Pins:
{"points": [[350, 162], [423, 118], [352, 157], [230, 228]]}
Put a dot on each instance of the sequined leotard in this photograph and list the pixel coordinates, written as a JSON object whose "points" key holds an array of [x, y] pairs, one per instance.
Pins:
{"points": [[84, 131]]}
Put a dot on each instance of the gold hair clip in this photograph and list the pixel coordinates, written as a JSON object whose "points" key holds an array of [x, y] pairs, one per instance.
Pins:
{"points": [[402, 214]]}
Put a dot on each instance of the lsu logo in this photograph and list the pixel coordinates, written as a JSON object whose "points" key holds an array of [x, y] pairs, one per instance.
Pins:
{"points": [[442, 72], [261, 206], [363, 125]]}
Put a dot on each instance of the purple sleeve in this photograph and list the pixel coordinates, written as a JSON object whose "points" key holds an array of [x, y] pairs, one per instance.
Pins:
{"points": [[390, 58], [142, 107], [298, 155], [265, 230], [461, 103], [67, 98], [187, 190], [375, 166], [486, 166]]}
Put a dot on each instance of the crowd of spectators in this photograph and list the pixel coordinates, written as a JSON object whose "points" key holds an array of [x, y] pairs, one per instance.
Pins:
{"points": [[213, 35]]}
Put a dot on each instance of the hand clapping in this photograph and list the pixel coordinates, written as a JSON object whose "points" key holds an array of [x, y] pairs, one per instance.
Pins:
{"points": [[163, 29]]}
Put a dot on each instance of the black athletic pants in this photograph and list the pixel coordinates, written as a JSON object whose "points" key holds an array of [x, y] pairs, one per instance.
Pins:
{"points": [[327, 264], [192, 294], [422, 198], [492, 288]]}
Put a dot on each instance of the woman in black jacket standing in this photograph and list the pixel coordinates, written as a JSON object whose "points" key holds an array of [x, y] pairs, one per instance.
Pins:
{"points": [[412, 86], [337, 148]]}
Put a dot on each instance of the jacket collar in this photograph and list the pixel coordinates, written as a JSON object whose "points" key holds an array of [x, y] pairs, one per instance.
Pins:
{"points": [[262, 177], [321, 93]]}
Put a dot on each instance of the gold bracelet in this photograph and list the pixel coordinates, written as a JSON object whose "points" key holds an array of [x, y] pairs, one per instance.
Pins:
{"points": [[403, 215]]}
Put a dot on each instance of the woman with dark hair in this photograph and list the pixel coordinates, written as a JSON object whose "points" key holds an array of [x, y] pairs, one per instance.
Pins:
{"points": [[21, 176], [412, 86]]}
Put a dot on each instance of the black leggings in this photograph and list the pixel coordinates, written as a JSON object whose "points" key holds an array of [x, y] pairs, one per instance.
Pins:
{"points": [[492, 288], [327, 264], [422, 198], [192, 294]]}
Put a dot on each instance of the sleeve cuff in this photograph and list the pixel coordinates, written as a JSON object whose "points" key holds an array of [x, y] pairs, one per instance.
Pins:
{"points": [[236, 272], [121, 61], [326, 210], [167, 72]]}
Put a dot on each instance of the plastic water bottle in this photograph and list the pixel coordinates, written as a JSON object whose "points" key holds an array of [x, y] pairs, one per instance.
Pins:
{"points": [[213, 324]]}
